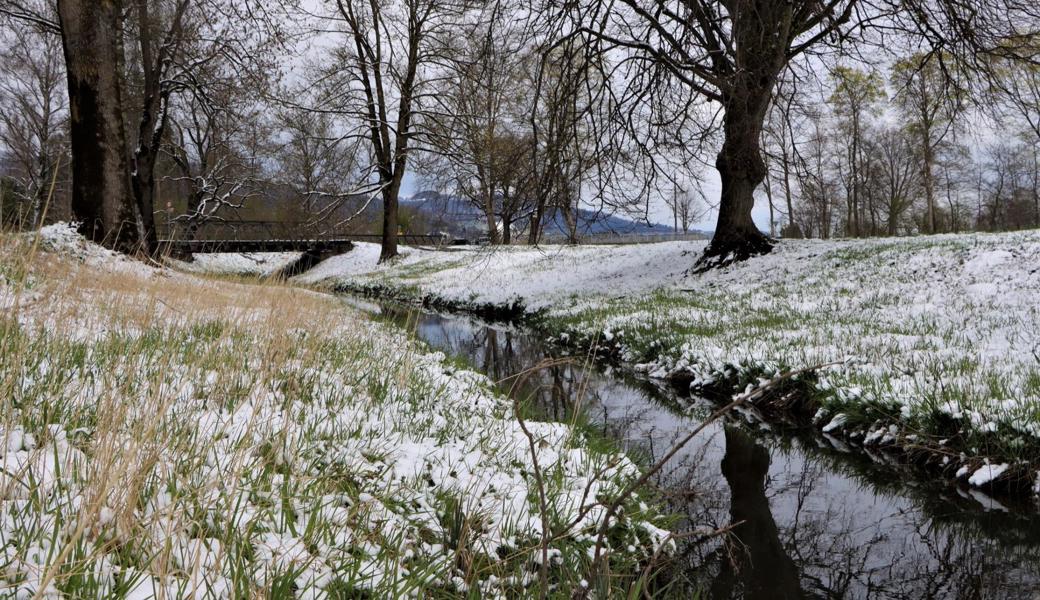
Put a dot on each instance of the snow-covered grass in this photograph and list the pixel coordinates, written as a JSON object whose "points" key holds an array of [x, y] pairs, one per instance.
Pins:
{"points": [[939, 336], [165, 436], [245, 264]]}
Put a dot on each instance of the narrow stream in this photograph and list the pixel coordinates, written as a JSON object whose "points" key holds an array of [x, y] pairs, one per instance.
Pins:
{"points": [[816, 520]]}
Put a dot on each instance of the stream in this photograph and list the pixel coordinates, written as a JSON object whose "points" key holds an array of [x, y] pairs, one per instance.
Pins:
{"points": [[816, 520]]}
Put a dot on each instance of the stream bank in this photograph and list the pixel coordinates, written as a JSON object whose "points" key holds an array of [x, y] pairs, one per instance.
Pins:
{"points": [[797, 405], [817, 518]]}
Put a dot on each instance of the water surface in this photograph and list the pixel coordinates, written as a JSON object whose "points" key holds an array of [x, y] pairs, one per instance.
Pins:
{"points": [[815, 520]]}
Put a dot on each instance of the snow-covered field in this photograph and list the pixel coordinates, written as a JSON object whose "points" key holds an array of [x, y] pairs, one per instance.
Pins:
{"points": [[539, 277], [939, 336], [165, 436]]}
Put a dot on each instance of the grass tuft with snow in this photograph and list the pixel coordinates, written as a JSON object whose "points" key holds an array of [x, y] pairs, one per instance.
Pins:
{"points": [[166, 436]]}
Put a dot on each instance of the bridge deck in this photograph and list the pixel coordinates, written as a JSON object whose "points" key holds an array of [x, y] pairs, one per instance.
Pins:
{"points": [[198, 246], [264, 236]]}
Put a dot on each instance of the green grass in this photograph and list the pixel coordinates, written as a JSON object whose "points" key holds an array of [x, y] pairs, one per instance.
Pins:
{"points": [[918, 371], [216, 426]]}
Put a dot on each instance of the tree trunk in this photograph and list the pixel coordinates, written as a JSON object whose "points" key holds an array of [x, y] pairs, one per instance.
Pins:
{"points": [[929, 182], [793, 230], [854, 164], [769, 198], [390, 206], [489, 216], [142, 183], [507, 225], [487, 203], [873, 212], [675, 210], [151, 126], [101, 197], [1036, 188], [892, 223], [742, 170], [536, 222], [570, 221]]}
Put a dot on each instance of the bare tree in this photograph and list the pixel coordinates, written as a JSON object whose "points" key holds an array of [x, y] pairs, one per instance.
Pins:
{"points": [[687, 204], [569, 155], [780, 144], [386, 71], [733, 52], [480, 113], [516, 174], [817, 189], [855, 99], [34, 119], [930, 103], [896, 175], [315, 159], [168, 41], [956, 165], [181, 48], [1007, 187], [159, 36], [1016, 99], [216, 140]]}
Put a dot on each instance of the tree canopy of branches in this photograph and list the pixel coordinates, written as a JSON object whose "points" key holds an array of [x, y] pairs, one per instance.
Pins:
{"points": [[481, 146], [382, 82], [33, 121], [125, 61], [732, 53]]}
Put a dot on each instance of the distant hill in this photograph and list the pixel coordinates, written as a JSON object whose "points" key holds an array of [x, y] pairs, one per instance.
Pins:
{"points": [[461, 218]]}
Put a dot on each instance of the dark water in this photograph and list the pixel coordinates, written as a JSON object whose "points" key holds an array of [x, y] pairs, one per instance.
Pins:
{"points": [[816, 521]]}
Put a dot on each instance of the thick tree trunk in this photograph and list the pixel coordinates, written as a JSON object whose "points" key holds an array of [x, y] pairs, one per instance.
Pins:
{"points": [[101, 197], [742, 170], [390, 220]]}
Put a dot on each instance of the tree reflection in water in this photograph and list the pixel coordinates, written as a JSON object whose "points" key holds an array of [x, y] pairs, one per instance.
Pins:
{"points": [[758, 561], [816, 522]]}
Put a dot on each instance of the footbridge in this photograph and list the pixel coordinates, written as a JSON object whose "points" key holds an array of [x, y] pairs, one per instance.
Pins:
{"points": [[273, 236]]}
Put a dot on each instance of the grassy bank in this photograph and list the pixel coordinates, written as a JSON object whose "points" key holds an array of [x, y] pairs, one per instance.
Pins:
{"points": [[171, 437], [937, 339]]}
